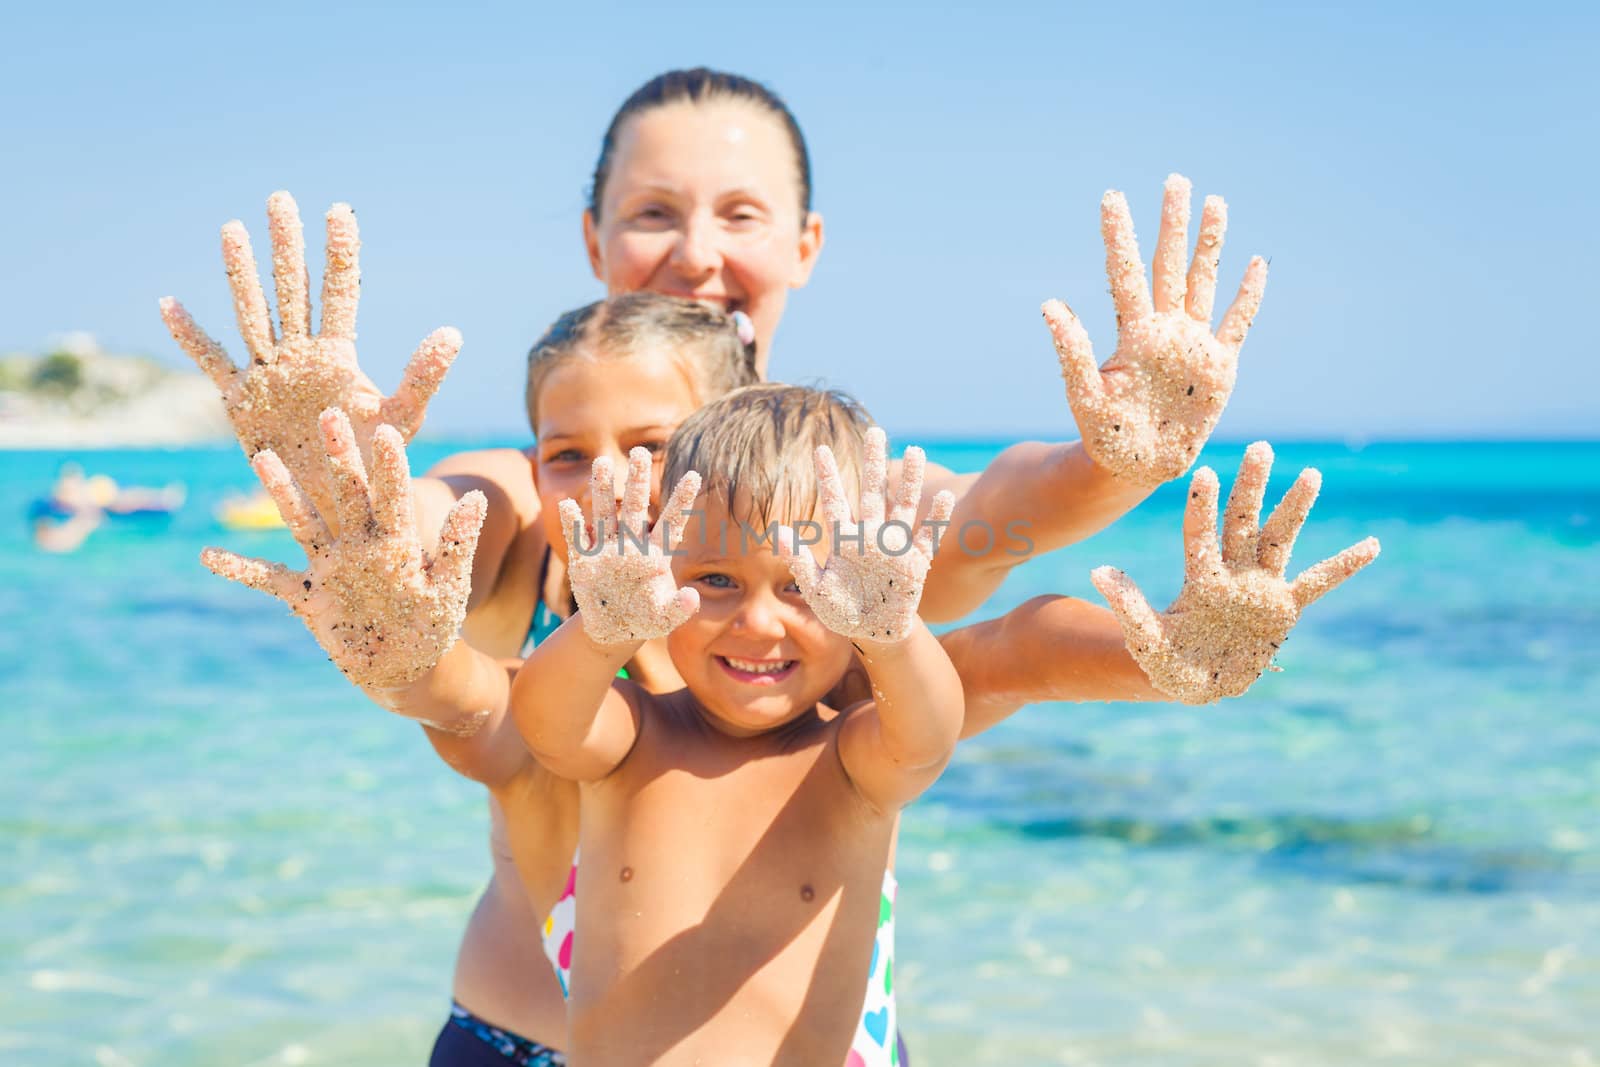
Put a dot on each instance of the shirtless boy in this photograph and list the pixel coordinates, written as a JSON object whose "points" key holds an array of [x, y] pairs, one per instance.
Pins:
{"points": [[734, 833]]}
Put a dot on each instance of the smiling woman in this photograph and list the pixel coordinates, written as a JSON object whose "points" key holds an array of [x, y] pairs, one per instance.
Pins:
{"points": [[703, 190]]}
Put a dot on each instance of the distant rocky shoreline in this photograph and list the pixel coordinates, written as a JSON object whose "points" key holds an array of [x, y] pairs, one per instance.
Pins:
{"points": [[78, 396]]}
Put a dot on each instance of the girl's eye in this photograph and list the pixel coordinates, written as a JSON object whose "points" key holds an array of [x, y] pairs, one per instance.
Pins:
{"points": [[566, 455], [793, 589]]}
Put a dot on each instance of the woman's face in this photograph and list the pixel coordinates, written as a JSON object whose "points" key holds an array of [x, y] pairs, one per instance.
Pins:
{"points": [[703, 201]]}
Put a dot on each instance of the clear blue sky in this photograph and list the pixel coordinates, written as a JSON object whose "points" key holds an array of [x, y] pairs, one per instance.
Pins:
{"points": [[1422, 176]]}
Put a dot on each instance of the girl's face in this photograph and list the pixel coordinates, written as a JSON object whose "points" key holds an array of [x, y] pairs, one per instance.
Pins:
{"points": [[591, 408], [703, 201]]}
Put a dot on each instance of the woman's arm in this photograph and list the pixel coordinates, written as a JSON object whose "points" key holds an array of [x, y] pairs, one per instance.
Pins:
{"points": [[1033, 498], [293, 374], [1143, 416]]}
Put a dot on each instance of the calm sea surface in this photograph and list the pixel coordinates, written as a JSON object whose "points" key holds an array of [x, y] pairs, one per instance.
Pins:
{"points": [[213, 851]]}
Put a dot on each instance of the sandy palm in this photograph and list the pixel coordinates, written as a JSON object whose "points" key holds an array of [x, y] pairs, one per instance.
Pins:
{"points": [[1145, 415], [619, 570], [293, 375], [871, 584], [376, 603], [1236, 607]]}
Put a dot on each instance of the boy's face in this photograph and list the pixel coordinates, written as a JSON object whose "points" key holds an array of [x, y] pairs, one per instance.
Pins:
{"points": [[592, 408], [754, 655]]}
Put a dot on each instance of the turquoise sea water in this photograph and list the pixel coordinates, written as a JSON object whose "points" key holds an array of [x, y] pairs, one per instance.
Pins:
{"points": [[216, 852]]}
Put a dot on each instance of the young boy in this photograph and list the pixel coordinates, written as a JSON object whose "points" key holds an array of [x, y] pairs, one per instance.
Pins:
{"points": [[734, 834]]}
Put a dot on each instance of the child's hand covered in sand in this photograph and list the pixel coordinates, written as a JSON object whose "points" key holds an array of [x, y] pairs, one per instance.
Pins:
{"points": [[1146, 413], [382, 610], [871, 585], [621, 574], [294, 375], [1235, 608]]}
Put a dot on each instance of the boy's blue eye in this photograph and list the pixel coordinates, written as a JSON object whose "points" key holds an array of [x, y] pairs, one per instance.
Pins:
{"points": [[716, 581]]}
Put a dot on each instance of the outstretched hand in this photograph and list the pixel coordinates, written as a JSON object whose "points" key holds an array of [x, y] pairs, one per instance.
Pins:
{"points": [[1145, 415], [293, 375], [377, 604], [871, 584], [621, 574], [1235, 608]]}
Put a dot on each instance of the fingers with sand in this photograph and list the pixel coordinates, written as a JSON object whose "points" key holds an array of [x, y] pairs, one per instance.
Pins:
{"points": [[1236, 608], [1145, 413]]}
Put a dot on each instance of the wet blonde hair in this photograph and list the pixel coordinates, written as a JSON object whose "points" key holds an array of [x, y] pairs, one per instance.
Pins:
{"points": [[702, 340], [756, 446]]}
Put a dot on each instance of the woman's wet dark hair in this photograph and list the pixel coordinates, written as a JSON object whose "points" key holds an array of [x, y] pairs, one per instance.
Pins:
{"points": [[698, 86]]}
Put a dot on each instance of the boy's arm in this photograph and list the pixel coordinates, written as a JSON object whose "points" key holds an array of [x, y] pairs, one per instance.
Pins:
{"points": [[463, 704], [566, 708], [896, 746], [1143, 417], [575, 721]]}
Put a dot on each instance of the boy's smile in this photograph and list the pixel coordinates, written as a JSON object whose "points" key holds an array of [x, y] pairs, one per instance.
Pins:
{"points": [[758, 672]]}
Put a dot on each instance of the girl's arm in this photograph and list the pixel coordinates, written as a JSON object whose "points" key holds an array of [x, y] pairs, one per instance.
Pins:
{"points": [[463, 701], [1051, 648], [1143, 417], [1232, 616], [566, 708]]}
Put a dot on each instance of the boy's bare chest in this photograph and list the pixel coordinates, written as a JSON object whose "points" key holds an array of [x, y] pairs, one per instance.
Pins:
{"points": [[714, 841]]}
